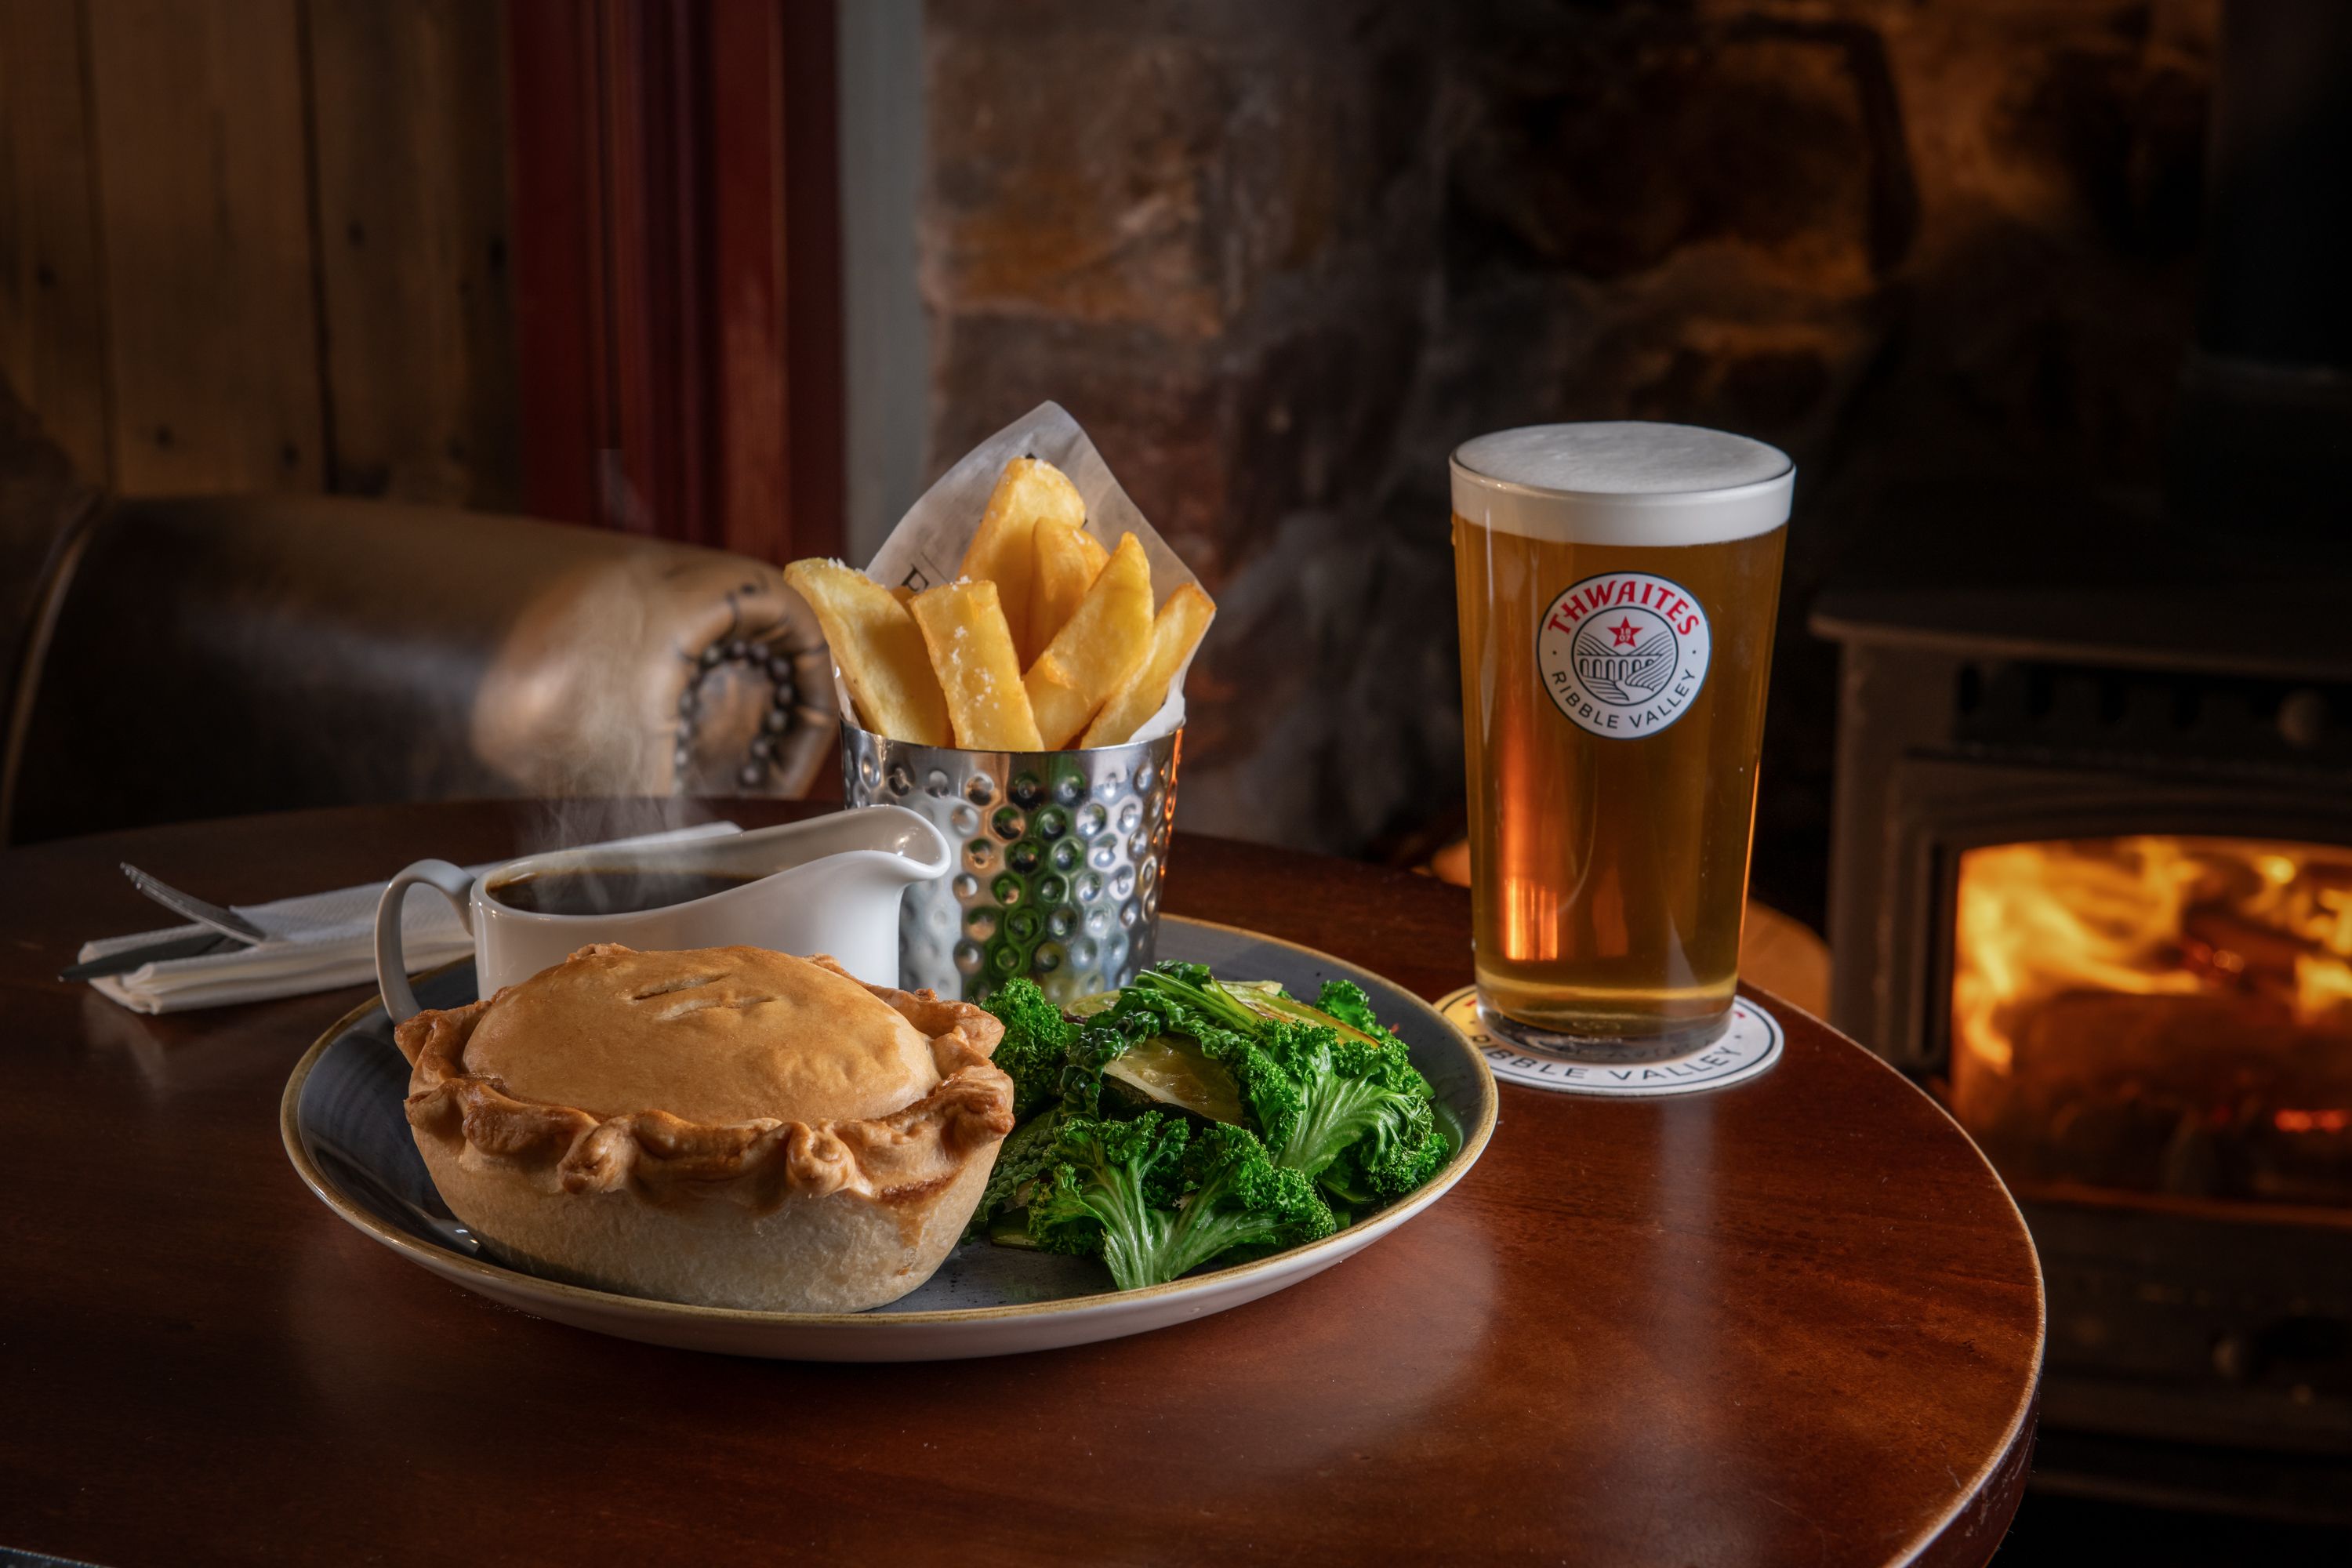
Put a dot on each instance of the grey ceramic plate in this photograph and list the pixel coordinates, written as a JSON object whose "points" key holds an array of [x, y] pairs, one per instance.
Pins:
{"points": [[345, 1132]]}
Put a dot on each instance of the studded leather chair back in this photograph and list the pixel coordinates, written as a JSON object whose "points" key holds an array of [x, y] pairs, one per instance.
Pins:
{"points": [[203, 658]]}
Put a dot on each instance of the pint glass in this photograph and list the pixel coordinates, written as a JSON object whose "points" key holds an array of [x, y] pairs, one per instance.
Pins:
{"points": [[1617, 584]]}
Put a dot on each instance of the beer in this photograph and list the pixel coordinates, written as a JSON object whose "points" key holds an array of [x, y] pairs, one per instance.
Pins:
{"points": [[1617, 586]]}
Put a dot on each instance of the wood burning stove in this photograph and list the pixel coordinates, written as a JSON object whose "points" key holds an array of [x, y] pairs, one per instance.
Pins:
{"points": [[2157, 1014], [2092, 885], [2091, 875]]}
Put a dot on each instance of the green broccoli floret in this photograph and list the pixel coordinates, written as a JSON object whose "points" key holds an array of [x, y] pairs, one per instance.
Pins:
{"points": [[1115, 1190], [1036, 1043]]}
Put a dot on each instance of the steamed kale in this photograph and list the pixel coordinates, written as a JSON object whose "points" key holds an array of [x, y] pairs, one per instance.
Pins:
{"points": [[1154, 1203], [1332, 1099], [1345, 1000], [1327, 1101], [1020, 1160], [1036, 1043], [1241, 1201], [1108, 1191], [1336, 1113]]}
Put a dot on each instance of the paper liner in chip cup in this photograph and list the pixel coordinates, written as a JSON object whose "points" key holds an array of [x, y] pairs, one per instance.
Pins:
{"points": [[926, 547]]}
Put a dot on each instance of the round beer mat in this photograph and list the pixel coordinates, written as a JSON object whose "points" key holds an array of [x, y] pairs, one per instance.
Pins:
{"points": [[1749, 1046]]}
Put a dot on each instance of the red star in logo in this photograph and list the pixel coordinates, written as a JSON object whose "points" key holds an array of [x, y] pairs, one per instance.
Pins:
{"points": [[1624, 633]]}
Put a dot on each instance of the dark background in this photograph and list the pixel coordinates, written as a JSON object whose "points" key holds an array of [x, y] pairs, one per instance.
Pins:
{"points": [[579, 259], [1278, 257], [1279, 260]]}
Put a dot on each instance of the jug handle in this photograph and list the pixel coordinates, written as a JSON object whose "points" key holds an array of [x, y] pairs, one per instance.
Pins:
{"points": [[452, 882]]}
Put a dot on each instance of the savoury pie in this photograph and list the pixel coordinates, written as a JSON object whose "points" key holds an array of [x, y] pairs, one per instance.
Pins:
{"points": [[727, 1126]]}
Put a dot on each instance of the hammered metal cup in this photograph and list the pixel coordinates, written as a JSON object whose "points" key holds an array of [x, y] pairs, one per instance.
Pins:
{"points": [[1058, 858]]}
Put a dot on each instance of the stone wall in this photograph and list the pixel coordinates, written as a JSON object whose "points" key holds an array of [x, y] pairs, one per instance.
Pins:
{"points": [[1280, 258]]}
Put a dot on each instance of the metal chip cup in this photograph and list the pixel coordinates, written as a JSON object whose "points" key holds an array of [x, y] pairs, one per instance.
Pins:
{"points": [[1059, 857]]}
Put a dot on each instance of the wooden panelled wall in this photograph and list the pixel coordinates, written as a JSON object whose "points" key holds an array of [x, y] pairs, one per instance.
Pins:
{"points": [[252, 245], [678, 260]]}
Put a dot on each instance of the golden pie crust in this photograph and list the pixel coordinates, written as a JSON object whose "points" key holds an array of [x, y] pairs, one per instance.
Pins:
{"points": [[729, 1127]]}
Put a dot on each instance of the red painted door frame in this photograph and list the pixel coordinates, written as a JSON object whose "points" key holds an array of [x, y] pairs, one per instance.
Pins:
{"points": [[678, 268]]}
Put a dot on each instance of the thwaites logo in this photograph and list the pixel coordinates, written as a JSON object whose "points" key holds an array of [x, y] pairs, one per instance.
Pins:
{"points": [[1624, 653]]}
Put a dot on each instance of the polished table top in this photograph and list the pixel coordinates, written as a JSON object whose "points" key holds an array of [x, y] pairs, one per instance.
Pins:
{"points": [[1796, 1320]]}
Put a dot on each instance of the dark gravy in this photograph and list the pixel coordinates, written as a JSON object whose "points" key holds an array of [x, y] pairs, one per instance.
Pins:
{"points": [[592, 891]]}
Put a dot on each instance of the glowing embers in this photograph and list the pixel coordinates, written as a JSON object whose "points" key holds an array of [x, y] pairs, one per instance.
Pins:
{"points": [[2158, 1013]]}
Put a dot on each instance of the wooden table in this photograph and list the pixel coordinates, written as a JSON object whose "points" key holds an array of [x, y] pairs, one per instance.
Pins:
{"points": [[1792, 1321]]}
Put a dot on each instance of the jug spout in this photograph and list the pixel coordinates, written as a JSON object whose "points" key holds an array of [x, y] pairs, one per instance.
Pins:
{"points": [[847, 895], [918, 850]]}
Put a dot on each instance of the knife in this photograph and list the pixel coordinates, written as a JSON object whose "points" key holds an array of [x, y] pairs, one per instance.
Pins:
{"points": [[196, 946]]}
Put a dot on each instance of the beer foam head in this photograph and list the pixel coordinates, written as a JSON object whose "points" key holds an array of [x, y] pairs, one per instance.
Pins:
{"points": [[1624, 482]]}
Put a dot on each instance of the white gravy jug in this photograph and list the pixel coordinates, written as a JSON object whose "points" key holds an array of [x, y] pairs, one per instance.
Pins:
{"points": [[830, 885]]}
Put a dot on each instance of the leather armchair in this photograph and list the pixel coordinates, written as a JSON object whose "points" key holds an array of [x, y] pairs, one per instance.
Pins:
{"points": [[186, 658]]}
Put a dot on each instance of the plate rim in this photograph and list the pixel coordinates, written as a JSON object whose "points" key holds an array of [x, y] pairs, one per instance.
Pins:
{"points": [[493, 1276]]}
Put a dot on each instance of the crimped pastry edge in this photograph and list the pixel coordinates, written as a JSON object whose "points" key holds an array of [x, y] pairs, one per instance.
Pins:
{"points": [[901, 1159]]}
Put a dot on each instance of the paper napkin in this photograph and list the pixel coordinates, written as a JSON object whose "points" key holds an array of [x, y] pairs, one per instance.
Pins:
{"points": [[317, 941]]}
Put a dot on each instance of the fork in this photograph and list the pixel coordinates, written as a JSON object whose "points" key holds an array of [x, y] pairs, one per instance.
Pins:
{"points": [[229, 923]]}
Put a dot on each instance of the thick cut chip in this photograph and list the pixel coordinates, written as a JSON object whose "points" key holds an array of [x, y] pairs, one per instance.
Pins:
{"points": [[1176, 631], [972, 653], [1067, 562], [1028, 493], [880, 649], [1104, 640]]}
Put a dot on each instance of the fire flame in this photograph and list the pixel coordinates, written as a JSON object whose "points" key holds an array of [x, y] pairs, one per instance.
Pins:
{"points": [[2149, 916]]}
